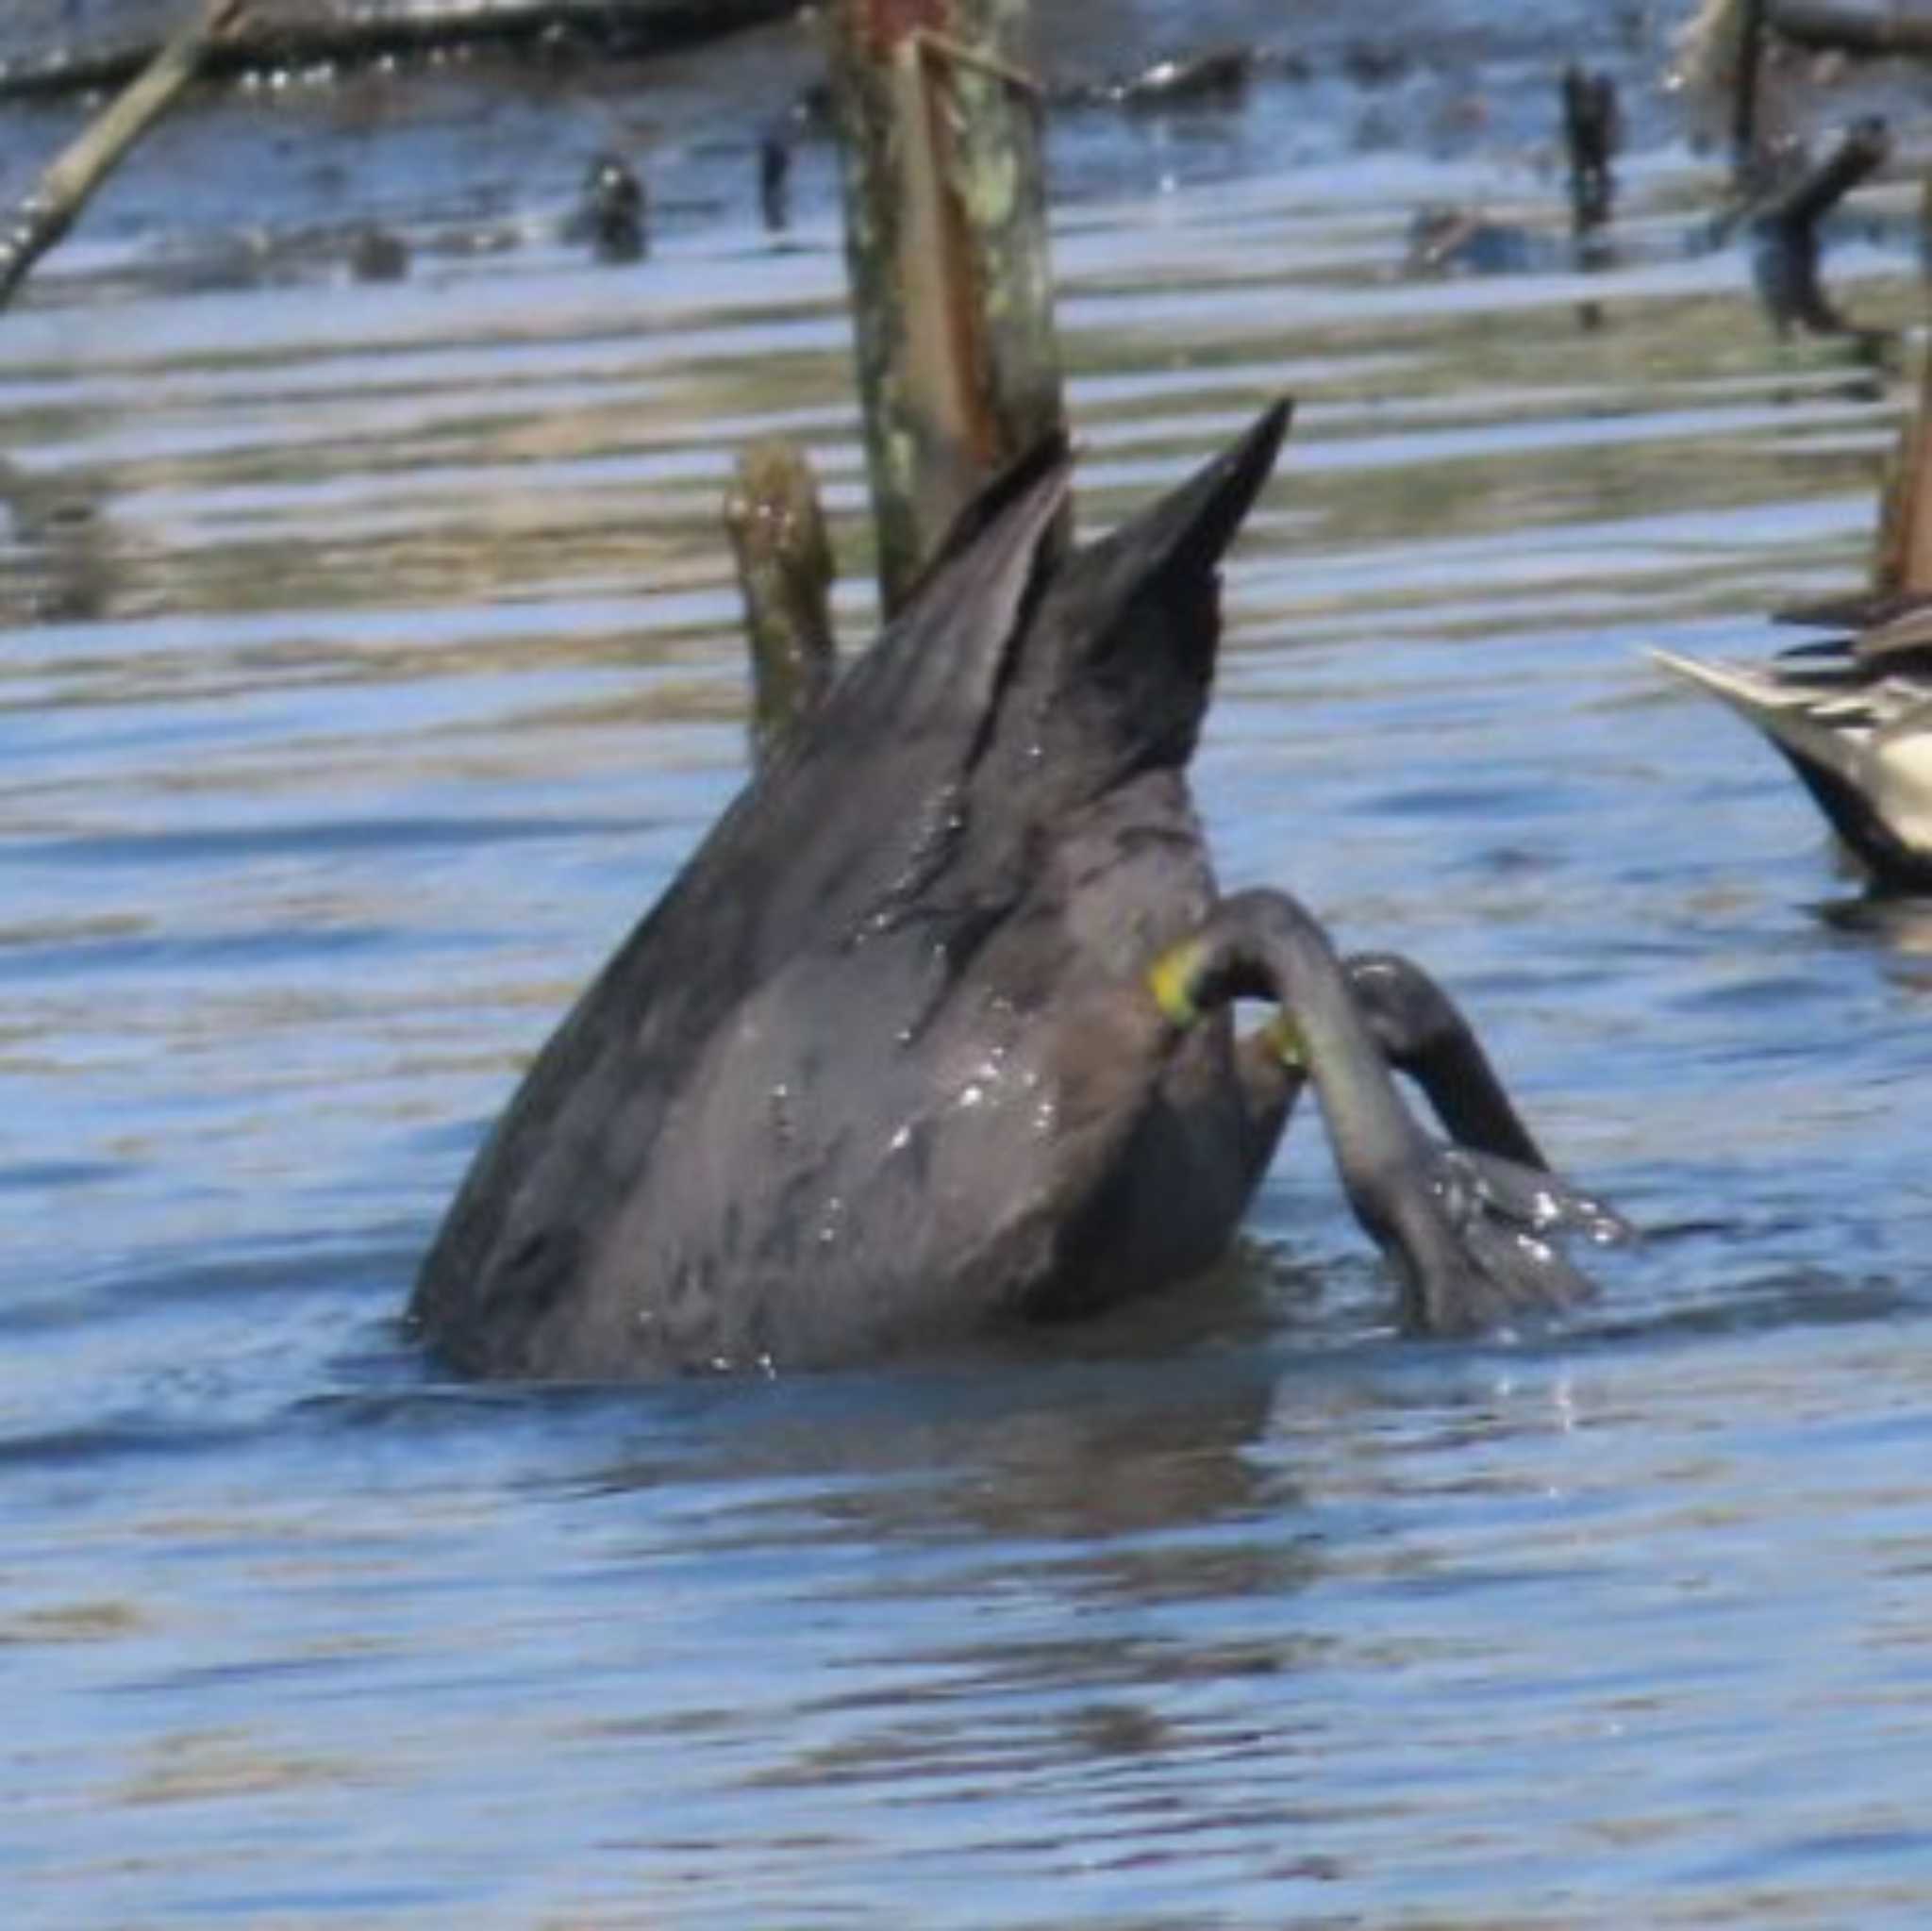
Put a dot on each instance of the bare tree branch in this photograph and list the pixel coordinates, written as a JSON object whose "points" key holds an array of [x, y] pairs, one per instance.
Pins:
{"points": [[64, 190]]}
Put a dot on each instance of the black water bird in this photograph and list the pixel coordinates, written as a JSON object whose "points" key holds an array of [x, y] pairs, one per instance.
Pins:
{"points": [[1219, 78], [932, 1036], [376, 254], [613, 211]]}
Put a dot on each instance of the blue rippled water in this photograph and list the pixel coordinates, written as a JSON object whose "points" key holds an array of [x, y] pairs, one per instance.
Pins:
{"points": [[371, 659]]}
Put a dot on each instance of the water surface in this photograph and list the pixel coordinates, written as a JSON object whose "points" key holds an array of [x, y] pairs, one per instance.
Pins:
{"points": [[371, 660]]}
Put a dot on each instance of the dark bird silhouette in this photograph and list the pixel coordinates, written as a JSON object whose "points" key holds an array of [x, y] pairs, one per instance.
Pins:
{"points": [[932, 1034], [612, 213]]}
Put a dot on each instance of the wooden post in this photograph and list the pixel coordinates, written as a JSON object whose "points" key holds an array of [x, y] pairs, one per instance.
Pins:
{"points": [[785, 573], [359, 33], [1902, 561], [1591, 129], [1744, 98], [1861, 32], [63, 190], [946, 240], [1785, 233]]}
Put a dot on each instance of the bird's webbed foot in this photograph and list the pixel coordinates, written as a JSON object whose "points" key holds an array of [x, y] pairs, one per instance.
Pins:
{"points": [[1470, 1227], [1508, 1218]]}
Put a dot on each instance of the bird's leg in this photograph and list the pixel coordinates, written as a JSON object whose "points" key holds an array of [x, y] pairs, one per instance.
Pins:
{"points": [[1468, 1232], [1271, 1077], [1424, 1035]]}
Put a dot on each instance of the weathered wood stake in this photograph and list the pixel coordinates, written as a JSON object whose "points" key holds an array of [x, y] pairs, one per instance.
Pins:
{"points": [[63, 190], [1593, 125], [1785, 232], [785, 572], [945, 237], [1744, 134], [1902, 558]]}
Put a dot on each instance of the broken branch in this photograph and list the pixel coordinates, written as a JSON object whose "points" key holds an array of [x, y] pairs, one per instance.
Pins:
{"points": [[65, 189]]}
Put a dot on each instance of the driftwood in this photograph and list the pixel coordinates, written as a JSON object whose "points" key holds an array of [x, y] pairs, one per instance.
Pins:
{"points": [[357, 35], [1828, 29], [64, 190], [1784, 232], [1866, 147]]}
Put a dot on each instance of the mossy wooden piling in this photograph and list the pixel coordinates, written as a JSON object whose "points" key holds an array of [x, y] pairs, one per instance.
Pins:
{"points": [[785, 573], [943, 135], [1902, 561]]}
